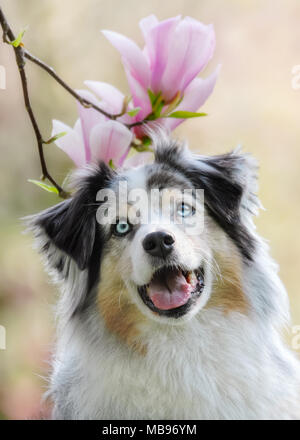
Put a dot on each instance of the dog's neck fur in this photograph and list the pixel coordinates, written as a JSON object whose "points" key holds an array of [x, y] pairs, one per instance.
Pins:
{"points": [[216, 366]]}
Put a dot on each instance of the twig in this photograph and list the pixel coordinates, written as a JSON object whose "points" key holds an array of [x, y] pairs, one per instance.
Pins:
{"points": [[136, 124], [85, 102], [19, 54]]}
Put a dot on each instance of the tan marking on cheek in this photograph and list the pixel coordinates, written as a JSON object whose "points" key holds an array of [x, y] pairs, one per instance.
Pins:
{"points": [[121, 316], [227, 292]]}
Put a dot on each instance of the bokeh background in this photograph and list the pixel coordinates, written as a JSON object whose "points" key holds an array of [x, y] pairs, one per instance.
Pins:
{"points": [[254, 104]]}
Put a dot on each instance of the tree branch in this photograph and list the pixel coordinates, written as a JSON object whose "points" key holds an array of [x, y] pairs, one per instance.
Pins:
{"points": [[8, 35], [85, 102], [21, 55]]}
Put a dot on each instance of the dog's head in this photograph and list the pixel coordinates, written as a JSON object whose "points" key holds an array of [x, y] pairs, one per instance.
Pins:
{"points": [[160, 241]]}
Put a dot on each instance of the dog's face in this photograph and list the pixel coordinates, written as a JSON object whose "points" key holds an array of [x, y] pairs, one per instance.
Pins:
{"points": [[152, 241], [156, 242]]}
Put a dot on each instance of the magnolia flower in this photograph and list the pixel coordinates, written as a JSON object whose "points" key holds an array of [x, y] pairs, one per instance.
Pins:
{"points": [[162, 79], [163, 74], [95, 137]]}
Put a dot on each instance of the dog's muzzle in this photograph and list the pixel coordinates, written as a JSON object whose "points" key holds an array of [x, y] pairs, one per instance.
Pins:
{"points": [[172, 291]]}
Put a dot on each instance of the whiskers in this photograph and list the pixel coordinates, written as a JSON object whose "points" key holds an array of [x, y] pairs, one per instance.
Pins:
{"points": [[209, 261], [218, 273]]}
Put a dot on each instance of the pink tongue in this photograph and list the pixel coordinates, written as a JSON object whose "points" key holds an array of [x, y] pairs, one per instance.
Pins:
{"points": [[173, 292]]}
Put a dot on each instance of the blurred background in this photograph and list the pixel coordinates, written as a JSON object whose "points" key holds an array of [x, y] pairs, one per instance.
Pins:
{"points": [[254, 104]]}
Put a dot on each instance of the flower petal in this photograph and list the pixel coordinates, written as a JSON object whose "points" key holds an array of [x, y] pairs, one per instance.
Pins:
{"points": [[110, 141], [113, 99], [148, 23], [71, 143], [195, 96], [139, 96], [190, 50], [109, 94], [89, 118], [200, 51], [133, 57], [138, 159], [157, 38]]}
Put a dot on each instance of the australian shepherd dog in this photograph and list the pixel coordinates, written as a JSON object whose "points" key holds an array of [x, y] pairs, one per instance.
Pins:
{"points": [[170, 305]]}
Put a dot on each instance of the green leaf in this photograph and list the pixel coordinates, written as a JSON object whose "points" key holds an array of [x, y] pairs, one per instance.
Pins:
{"points": [[185, 115], [44, 186], [150, 117], [146, 141], [54, 138], [18, 41], [134, 111], [158, 105], [142, 148], [158, 108], [111, 164], [155, 99], [152, 97]]}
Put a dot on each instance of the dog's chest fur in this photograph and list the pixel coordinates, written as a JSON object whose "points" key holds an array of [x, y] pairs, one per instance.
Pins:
{"points": [[185, 374]]}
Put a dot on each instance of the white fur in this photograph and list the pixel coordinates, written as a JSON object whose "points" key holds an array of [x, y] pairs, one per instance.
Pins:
{"points": [[212, 366]]}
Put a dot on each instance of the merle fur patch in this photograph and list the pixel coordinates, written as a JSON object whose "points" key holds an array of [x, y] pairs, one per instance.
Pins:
{"points": [[71, 226], [221, 177]]}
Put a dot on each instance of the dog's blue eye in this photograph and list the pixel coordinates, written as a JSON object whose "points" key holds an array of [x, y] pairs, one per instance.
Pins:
{"points": [[185, 210], [122, 227]]}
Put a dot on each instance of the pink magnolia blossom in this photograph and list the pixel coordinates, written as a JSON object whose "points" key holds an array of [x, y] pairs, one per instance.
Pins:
{"points": [[176, 51], [162, 78], [95, 137]]}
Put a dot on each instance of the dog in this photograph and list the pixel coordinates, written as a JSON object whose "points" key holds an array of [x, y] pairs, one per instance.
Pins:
{"points": [[159, 320]]}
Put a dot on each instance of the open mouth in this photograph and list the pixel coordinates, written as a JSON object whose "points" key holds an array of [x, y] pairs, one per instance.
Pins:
{"points": [[172, 291]]}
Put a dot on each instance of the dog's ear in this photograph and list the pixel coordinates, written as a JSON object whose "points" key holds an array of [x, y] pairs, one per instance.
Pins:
{"points": [[71, 240], [229, 182], [71, 226]]}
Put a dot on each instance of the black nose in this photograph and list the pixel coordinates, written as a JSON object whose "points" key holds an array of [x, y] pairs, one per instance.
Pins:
{"points": [[158, 244]]}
